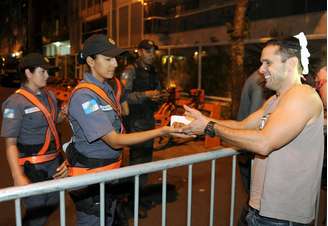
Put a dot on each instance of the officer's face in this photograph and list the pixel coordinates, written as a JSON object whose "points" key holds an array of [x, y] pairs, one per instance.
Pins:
{"points": [[103, 66], [148, 56], [38, 78]]}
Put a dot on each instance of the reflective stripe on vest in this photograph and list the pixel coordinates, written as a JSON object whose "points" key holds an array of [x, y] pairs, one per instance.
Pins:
{"points": [[50, 117], [118, 92]]}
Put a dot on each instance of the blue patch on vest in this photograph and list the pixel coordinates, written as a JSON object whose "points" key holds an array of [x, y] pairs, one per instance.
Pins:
{"points": [[90, 106]]}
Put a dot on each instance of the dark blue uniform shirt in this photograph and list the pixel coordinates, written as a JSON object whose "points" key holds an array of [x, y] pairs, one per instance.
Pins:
{"points": [[91, 118], [23, 120]]}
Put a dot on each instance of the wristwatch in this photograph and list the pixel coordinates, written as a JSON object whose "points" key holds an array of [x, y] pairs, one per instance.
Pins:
{"points": [[209, 129]]}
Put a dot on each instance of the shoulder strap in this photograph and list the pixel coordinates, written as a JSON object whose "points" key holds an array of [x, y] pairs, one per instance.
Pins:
{"points": [[101, 93], [118, 91], [50, 117]]}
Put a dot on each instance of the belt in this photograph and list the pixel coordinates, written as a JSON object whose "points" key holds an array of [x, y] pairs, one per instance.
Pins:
{"points": [[38, 158], [75, 171]]}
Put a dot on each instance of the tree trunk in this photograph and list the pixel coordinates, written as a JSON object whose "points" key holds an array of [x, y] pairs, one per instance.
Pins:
{"points": [[237, 54]]}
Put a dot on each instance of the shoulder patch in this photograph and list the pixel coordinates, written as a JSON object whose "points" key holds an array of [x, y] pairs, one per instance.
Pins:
{"points": [[90, 106], [9, 113]]}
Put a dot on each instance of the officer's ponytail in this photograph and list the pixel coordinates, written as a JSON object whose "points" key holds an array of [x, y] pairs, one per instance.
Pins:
{"points": [[81, 58]]}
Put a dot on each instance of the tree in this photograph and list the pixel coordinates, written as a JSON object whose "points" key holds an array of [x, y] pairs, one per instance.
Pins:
{"points": [[237, 35]]}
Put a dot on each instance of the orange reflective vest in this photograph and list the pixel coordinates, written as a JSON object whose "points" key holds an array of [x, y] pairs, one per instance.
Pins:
{"points": [[50, 117], [75, 171], [118, 92]]}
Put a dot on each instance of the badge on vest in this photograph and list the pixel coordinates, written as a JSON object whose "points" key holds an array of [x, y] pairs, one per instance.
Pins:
{"points": [[9, 113], [31, 110], [90, 106], [106, 108]]}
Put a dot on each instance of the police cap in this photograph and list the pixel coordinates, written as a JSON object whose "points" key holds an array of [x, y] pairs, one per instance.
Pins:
{"points": [[147, 45]]}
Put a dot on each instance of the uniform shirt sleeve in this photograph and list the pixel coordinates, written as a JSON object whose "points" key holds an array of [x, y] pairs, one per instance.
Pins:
{"points": [[12, 116], [85, 109], [127, 77]]}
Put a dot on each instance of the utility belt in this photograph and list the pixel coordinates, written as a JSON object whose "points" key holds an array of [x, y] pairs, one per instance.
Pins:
{"points": [[30, 159], [91, 165], [29, 153]]}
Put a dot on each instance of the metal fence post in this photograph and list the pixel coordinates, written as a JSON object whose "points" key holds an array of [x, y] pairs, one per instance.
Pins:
{"points": [[136, 199], [212, 191], [233, 189], [62, 208], [18, 212], [189, 195], [102, 203], [164, 197]]}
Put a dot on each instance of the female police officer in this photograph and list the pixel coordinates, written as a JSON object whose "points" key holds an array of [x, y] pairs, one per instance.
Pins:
{"points": [[32, 142], [95, 117]]}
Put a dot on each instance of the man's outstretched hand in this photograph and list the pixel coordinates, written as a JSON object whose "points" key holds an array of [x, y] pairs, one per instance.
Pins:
{"points": [[197, 126]]}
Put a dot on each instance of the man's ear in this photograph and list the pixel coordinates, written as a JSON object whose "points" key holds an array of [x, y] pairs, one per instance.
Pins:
{"points": [[292, 64], [292, 61]]}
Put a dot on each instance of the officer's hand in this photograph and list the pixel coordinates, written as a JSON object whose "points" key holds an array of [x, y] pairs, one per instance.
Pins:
{"points": [[64, 108], [153, 95], [21, 180], [177, 132], [61, 171]]}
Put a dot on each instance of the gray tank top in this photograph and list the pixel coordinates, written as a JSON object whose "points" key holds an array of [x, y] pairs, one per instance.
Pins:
{"points": [[288, 180]]}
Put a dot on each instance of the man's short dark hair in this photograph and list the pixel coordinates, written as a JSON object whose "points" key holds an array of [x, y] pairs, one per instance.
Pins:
{"points": [[288, 47]]}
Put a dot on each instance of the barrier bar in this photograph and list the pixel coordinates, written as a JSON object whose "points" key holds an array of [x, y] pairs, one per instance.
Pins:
{"points": [[18, 212], [102, 203], [189, 194], [233, 189], [69, 183], [62, 208], [164, 197], [136, 199], [212, 192]]}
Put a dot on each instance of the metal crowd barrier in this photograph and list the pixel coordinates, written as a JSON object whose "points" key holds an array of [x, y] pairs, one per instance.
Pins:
{"points": [[60, 185]]}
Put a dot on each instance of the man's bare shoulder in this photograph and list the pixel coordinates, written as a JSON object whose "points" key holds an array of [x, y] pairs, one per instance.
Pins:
{"points": [[303, 98], [303, 93]]}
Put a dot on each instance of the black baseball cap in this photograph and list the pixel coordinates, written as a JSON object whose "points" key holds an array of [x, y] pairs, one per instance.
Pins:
{"points": [[147, 45], [101, 44], [36, 60]]}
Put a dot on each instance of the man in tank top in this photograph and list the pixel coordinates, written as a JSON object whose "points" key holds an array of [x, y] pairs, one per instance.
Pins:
{"points": [[285, 134]]}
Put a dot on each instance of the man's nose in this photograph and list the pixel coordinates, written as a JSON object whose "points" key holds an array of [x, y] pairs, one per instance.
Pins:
{"points": [[262, 69]]}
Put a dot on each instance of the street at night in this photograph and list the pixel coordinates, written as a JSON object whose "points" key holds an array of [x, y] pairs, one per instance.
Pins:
{"points": [[178, 89]]}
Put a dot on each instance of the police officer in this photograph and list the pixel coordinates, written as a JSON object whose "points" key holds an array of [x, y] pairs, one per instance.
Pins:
{"points": [[32, 142], [98, 135], [142, 87]]}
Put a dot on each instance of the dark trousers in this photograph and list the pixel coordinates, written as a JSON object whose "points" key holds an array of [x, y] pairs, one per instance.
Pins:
{"points": [[139, 154], [39, 208], [87, 205], [254, 219]]}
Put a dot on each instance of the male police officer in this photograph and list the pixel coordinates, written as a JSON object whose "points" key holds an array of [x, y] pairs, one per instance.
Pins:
{"points": [[142, 88]]}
